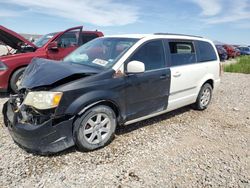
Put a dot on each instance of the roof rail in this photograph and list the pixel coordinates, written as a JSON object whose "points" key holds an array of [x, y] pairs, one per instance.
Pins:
{"points": [[177, 34]]}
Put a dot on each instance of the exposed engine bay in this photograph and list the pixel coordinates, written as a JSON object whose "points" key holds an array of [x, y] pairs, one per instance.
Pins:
{"points": [[7, 50], [14, 43]]}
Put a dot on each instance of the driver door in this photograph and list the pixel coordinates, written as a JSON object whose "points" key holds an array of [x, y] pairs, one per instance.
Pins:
{"points": [[67, 42], [148, 92]]}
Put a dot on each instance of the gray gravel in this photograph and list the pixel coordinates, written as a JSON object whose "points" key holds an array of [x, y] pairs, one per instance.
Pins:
{"points": [[184, 148]]}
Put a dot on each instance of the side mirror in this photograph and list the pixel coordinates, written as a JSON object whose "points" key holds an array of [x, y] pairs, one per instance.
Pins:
{"points": [[135, 67], [53, 46]]}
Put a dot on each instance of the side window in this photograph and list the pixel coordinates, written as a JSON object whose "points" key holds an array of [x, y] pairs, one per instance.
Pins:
{"points": [[206, 51], [68, 39], [151, 54], [182, 53], [86, 37]]}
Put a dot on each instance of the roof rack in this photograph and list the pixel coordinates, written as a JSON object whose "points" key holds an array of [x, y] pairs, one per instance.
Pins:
{"points": [[177, 34]]}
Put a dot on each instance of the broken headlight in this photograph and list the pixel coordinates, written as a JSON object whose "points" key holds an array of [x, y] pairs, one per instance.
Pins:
{"points": [[43, 100]]}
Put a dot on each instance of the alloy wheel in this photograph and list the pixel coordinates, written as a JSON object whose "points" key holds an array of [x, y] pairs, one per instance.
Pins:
{"points": [[205, 97], [97, 128]]}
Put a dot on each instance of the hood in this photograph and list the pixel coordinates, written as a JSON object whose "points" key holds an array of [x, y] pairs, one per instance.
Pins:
{"points": [[44, 72], [13, 39]]}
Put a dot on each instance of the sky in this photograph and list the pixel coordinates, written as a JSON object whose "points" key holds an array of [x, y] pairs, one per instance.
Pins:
{"points": [[227, 21]]}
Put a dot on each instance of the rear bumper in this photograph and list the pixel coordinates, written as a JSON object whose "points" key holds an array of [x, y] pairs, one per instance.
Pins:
{"points": [[40, 139], [216, 84]]}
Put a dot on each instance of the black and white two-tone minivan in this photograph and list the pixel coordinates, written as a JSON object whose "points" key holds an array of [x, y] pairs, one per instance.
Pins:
{"points": [[109, 81]]}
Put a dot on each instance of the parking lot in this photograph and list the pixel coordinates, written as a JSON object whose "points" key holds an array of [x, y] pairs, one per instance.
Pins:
{"points": [[184, 148]]}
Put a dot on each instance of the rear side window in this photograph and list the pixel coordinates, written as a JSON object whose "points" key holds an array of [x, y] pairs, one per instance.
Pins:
{"points": [[206, 51], [182, 53], [151, 54], [86, 37]]}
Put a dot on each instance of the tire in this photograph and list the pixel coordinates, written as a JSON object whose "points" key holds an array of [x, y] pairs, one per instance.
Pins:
{"points": [[90, 133], [204, 97], [15, 78]]}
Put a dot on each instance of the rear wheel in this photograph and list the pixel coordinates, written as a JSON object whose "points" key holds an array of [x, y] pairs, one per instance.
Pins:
{"points": [[95, 128], [204, 97], [16, 79]]}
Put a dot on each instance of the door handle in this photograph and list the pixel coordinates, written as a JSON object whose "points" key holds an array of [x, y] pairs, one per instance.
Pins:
{"points": [[164, 76], [177, 74]]}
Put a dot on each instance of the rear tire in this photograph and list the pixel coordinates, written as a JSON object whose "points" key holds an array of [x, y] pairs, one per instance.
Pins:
{"points": [[204, 97], [15, 79], [95, 128]]}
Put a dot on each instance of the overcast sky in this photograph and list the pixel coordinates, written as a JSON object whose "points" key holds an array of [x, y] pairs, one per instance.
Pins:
{"points": [[223, 20]]}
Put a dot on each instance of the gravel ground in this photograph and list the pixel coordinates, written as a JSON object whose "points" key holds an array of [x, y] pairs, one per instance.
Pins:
{"points": [[184, 148]]}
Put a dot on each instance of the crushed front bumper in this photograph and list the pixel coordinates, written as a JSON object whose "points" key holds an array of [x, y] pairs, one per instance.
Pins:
{"points": [[40, 139]]}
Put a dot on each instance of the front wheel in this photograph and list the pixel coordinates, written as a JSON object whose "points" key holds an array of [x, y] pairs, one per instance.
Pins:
{"points": [[16, 79], [204, 97], [95, 128]]}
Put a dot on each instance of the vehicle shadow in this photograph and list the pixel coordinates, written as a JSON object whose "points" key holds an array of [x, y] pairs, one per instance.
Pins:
{"points": [[123, 129], [72, 149], [148, 122]]}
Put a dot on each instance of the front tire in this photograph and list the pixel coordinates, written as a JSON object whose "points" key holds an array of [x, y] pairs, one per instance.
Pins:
{"points": [[95, 128], [204, 97], [15, 79]]}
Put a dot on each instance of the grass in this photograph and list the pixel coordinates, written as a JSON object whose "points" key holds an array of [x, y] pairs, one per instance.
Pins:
{"points": [[242, 65]]}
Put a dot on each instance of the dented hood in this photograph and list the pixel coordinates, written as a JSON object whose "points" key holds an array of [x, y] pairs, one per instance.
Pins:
{"points": [[13, 39], [44, 72]]}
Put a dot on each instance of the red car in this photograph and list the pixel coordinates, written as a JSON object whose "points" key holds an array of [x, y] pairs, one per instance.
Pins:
{"points": [[230, 51], [51, 46]]}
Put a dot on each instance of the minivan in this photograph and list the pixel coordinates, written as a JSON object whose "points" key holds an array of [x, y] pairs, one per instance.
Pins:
{"points": [[109, 81]]}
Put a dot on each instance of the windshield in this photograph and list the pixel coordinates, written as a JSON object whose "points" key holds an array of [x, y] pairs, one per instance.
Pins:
{"points": [[44, 39], [101, 52]]}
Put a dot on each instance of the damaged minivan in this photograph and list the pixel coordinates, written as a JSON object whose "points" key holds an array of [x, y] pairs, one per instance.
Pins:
{"points": [[109, 81]]}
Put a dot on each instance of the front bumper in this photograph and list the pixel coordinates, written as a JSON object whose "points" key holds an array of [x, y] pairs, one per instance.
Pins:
{"points": [[40, 139]]}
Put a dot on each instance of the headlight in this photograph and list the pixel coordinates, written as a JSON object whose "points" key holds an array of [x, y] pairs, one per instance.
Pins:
{"points": [[43, 100], [3, 66]]}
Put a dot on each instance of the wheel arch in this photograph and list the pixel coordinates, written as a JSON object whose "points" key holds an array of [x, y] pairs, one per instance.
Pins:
{"points": [[207, 79], [211, 82], [17, 68], [108, 103]]}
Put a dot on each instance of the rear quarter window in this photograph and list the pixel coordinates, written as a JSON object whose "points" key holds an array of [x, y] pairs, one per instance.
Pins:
{"points": [[205, 51], [182, 53]]}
